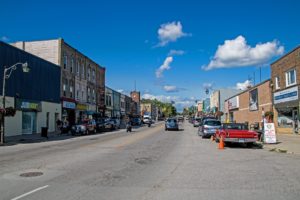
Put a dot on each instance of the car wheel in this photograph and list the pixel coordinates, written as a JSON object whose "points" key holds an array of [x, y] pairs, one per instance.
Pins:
{"points": [[249, 145]]}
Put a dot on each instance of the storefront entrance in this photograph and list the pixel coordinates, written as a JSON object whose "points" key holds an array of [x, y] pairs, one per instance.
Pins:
{"points": [[28, 122]]}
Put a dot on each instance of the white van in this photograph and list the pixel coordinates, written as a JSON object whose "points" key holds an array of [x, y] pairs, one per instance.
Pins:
{"points": [[147, 119]]}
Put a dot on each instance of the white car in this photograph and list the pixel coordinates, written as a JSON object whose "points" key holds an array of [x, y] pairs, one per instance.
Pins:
{"points": [[147, 120]]}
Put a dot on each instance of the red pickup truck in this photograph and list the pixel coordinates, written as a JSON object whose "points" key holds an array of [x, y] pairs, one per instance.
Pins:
{"points": [[236, 133]]}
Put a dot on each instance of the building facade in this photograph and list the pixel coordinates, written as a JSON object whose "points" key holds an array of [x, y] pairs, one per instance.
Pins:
{"points": [[108, 102], [250, 105], [217, 99], [37, 102], [79, 89], [285, 76]]}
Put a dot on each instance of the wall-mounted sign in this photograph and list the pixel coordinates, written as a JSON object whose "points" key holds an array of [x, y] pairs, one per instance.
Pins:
{"points": [[253, 100], [69, 105], [233, 103], [30, 105], [290, 94], [81, 107]]}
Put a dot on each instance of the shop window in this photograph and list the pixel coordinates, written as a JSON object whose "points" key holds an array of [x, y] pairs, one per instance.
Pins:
{"points": [[290, 77], [277, 83], [285, 118]]}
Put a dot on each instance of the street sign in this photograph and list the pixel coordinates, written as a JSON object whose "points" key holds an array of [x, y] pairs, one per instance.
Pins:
{"points": [[269, 133]]}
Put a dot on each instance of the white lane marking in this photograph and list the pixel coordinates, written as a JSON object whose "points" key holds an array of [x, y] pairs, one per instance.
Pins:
{"points": [[28, 193]]}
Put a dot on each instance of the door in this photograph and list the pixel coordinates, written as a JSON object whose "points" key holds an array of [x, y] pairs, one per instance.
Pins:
{"points": [[28, 122], [295, 121]]}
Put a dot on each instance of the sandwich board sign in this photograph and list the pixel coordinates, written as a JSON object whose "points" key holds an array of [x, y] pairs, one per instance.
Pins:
{"points": [[269, 133]]}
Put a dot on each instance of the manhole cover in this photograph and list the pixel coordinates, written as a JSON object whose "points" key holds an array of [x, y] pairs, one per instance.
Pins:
{"points": [[31, 174]]}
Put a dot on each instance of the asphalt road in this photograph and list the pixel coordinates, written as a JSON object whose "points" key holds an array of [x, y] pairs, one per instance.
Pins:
{"points": [[147, 164]]}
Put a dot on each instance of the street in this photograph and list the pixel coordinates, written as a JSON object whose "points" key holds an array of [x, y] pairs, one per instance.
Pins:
{"points": [[149, 163]]}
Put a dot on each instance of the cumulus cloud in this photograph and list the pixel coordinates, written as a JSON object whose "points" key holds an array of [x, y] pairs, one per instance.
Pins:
{"points": [[4, 39], [164, 66], [244, 85], [170, 32], [208, 86], [176, 52], [237, 53]]}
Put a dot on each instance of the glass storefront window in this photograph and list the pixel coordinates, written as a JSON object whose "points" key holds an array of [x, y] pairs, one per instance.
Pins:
{"points": [[285, 118]]}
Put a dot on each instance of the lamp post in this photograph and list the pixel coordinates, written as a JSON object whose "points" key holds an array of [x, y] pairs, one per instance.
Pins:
{"points": [[6, 74]]}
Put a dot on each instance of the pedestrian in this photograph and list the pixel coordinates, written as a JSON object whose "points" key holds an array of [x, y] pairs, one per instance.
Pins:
{"points": [[58, 124]]}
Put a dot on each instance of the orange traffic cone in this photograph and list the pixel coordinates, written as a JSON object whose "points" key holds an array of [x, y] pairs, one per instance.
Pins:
{"points": [[221, 143]]}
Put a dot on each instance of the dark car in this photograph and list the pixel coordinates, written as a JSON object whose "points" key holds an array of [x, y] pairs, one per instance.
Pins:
{"points": [[100, 125], [171, 124], [136, 121]]}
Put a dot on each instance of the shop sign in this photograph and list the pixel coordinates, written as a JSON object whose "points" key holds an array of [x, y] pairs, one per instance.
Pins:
{"points": [[81, 107], [269, 133], [233, 103], [290, 94], [22, 104], [69, 105]]}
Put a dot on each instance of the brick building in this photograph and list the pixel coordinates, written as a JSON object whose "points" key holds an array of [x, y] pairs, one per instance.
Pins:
{"points": [[79, 87], [285, 75], [250, 105]]}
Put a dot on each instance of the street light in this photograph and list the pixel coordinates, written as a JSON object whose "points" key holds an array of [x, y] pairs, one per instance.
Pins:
{"points": [[6, 74]]}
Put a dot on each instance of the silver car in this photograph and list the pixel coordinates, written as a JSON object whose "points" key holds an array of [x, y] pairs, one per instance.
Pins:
{"points": [[208, 127]]}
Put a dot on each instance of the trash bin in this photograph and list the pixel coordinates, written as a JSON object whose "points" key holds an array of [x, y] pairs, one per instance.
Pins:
{"points": [[44, 132]]}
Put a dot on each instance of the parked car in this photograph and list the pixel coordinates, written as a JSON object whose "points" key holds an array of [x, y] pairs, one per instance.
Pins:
{"points": [[109, 124], [171, 124], [117, 123], [100, 124], [180, 119], [208, 127], [136, 121], [84, 127], [197, 122], [147, 119], [236, 133]]}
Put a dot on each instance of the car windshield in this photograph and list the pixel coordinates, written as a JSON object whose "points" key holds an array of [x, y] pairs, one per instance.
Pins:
{"points": [[171, 121], [212, 123], [236, 126]]}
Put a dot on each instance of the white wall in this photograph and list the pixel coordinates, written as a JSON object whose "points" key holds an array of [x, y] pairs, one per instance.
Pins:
{"points": [[52, 108]]}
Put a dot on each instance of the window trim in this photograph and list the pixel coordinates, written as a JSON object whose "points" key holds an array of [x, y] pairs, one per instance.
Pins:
{"points": [[288, 77], [277, 82]]}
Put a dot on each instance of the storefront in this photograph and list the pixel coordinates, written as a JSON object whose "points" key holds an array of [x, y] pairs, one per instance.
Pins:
{"points": [[81, 111], [68, 111], [286, 107], [29, 110]]}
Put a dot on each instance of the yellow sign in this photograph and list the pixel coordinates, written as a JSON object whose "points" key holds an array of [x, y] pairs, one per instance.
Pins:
{"points": [[81, 107]]}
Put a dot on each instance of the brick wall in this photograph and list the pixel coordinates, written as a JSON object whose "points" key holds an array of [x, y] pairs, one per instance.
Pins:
{"points": [[243, 114]]}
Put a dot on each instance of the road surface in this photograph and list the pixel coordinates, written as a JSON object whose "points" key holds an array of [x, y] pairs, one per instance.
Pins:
{"points": [[150, 163]]}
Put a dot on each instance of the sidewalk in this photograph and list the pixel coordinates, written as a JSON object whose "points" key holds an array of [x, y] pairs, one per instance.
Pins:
{"points": [[34, 138], [286, 143]]}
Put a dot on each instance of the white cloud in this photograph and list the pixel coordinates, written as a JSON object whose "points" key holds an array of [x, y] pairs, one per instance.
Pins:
{"points": [[4, 39], [171, 88], [237, 53], [207, 86], [170, 32], [176, 52], [164, 66], [244, 85], [120, 90], [179, 102]]}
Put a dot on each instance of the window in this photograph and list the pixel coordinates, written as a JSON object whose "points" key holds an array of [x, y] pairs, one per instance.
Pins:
{"points": [[94, 97], [72, 65], [82, 74], [65, 61], [71, 91], [277, 83], [290, 77], [93, 75], [64, 88], [77, 68], [88, 73], [88, 94]]}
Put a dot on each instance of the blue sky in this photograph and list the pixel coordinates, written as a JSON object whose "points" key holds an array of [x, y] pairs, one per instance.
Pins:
{"points": [[123, 36]]}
